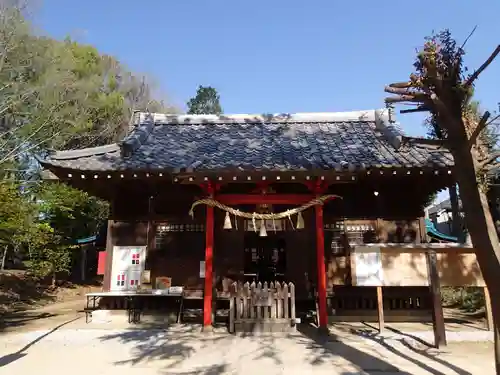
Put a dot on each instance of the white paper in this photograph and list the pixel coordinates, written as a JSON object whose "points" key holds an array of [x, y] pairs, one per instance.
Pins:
{"points": [[202, 269], [368, 265]]}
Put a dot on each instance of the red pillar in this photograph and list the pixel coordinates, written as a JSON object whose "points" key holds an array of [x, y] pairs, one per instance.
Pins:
{"points": [[320, 256], [209, 252]]}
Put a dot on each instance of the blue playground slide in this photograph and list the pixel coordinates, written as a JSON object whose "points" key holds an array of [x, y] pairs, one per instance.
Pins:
{"points": [[434, 233], [83, 241]]}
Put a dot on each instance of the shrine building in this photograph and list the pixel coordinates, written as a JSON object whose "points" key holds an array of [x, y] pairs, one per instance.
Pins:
{"points": [[205, 201]]}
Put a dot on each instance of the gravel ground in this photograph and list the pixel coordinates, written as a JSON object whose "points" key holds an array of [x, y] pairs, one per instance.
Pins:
{"points": [[56, 340], [184, 349]]}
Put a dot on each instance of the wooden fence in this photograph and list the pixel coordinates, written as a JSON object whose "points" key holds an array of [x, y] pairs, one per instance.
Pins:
{"points": [[262, 307]]}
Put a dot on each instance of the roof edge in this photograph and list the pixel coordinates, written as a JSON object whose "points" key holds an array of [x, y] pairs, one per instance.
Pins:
{"points": [[351, 116], [84, 152]]}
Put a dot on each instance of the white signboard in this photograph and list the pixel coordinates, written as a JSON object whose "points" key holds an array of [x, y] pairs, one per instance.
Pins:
{"points": [[202, 269], [127, 267], [276, 225], [367, 266]]}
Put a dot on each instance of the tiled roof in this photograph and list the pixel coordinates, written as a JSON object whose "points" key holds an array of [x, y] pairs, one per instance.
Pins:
{"points": [[444, 205], [350, 140]]}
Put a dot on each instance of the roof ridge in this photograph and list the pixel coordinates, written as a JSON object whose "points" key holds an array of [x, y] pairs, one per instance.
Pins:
{"points": [[352, 116], [138, 136], [385, 123]]}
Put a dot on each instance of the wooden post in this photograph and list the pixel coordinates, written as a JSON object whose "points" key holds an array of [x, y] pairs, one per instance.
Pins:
{"points": [[108, 267], [437, 307], [209, 247], [488, 310], [423, 231], [380, 309], [320, 257]]}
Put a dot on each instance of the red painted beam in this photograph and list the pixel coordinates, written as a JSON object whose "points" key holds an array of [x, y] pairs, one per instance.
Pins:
{"points": [[320, 257], [234, 199], [209, 254]]}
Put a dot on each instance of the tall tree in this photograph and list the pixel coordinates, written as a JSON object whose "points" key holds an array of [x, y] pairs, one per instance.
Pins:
{"points": [[206, 102], [441, 86], [60, 94]]}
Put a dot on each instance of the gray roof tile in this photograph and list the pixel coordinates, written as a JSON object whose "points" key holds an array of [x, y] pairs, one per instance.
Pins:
{"points": [[268, 144]]}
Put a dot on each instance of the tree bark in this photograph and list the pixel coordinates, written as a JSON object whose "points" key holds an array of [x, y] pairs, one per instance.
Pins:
{"points": [[4, 256], [482, 231]]}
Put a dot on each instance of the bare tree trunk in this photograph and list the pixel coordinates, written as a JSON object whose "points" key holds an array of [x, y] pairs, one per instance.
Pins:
{"points": [[482, 231], [4, 256], [456, 222]]}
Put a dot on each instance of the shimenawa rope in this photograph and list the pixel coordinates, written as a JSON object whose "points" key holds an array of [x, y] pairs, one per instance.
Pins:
{"points": [[254, 215]]}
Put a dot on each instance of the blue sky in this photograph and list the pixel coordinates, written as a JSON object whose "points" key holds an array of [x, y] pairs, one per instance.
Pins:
{"points": [[279, 56], [276, 55]]}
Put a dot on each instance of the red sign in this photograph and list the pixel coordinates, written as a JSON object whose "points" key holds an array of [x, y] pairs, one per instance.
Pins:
{"points": [[101, 262]]}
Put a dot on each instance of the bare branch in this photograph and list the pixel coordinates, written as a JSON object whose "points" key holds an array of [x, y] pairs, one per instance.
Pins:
{"points": [[479, 128], [493, 120], [414, 110], [401, 85], [490, 159], [403, 98], [30, 148], [467, 39], [405, 91], [476, 74]]}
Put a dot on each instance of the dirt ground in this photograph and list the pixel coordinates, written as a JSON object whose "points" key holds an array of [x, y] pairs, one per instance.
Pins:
{"points": [[56, 339], [19, 291]]}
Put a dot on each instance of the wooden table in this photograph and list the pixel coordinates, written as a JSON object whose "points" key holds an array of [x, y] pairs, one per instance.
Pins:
{"points": [[132, 297]]}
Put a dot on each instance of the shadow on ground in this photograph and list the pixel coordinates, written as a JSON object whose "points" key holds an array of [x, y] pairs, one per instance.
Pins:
{"points": [[418, 349], [21, 353], [186, 347], [22, 318]]}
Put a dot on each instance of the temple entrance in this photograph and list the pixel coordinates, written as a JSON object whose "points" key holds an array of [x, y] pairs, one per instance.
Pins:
{"points": [[265, 258]]}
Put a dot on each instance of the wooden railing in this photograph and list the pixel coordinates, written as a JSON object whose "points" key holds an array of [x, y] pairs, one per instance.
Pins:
{"points": [[360, 303], [262, 307]]}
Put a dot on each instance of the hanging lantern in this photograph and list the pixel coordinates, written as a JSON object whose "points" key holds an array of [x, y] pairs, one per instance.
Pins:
{"points": [[227, 222], [300, 221], [263, 232]]}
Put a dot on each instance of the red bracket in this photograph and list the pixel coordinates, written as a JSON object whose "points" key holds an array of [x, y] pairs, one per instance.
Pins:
{"points": [[209, 188], [317, 186]]}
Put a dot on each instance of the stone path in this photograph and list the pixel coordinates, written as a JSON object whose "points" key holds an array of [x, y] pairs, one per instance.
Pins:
{"points": [[185, 350]]}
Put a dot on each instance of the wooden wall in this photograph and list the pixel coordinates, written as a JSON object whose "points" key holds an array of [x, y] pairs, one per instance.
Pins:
{"points": [[180, 257], [403, 266]]}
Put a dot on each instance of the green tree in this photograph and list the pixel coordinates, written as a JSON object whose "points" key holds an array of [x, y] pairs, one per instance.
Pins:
{"points": [[66, 214], [61, 94], [15, 215], [206, 102]]}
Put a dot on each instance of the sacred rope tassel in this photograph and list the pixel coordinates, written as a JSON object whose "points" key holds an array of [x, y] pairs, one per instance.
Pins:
{"points": [[300, 221], [227, 222]]}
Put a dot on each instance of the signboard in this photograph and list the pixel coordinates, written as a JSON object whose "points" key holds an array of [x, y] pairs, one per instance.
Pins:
{"points": [[276, 225], [127, 267], [163, 282], [202, 269], [367, 266], [261, 298]]}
